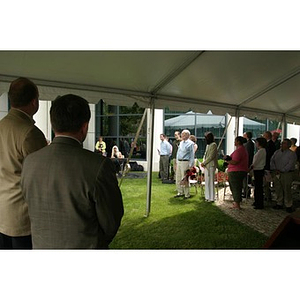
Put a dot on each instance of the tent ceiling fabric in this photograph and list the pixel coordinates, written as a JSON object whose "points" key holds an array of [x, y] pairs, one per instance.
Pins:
{"points": [[256, 83]]}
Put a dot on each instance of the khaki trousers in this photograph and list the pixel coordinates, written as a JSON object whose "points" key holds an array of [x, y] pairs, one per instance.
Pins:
{"points": [[283, 188], [182, 166]]}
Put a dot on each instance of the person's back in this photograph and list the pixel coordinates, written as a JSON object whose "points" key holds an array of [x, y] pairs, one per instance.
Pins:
{"points": [[64, 217], [73, 196], [15, 128]]}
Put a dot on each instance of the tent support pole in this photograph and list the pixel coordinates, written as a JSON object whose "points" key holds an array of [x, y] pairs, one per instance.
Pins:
{"points": [[283, 127], [150, 158], [237, 122]]}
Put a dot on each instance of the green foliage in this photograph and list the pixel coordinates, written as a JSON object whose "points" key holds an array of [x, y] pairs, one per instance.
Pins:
{"points": [[135, 109], [130, 123], [220, 164], [175, 223]]}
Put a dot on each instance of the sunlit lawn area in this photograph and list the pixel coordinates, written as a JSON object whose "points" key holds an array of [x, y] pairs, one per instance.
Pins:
{"points": [[176, 223]]}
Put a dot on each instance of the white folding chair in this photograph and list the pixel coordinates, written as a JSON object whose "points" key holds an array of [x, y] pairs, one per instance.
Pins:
{"points": [[194, 183]]}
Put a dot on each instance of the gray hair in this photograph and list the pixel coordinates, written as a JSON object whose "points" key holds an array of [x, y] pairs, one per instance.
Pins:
{"points": [[186, 131]]}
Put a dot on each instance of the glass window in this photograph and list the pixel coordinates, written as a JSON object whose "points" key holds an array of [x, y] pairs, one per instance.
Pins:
{"points": [[258, 127], [118, 126], [129, 125]]}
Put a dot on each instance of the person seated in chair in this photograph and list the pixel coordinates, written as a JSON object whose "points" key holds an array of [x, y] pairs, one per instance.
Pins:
{"points": [[100, 146], [116, 155]]}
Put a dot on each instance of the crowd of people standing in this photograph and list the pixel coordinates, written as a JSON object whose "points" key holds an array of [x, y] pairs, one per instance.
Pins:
{"points": [[179, 158], [265, 163], [274, 163]]}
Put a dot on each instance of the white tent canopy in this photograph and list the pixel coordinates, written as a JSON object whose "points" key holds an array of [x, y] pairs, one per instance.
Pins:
{"points": [[254, 83]]}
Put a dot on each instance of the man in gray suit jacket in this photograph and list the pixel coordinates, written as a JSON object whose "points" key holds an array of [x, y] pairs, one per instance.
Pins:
{"points": [[73, 196], [18, 138]]}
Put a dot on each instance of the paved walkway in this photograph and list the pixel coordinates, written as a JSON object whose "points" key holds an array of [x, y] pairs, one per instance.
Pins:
{"points": [[264, 220]]}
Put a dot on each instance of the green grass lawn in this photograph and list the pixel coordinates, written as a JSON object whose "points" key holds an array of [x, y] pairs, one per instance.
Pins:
{"points": [[175, 223]]}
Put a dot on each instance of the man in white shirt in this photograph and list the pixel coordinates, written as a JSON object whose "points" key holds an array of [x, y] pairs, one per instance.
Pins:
{"points": [[184, 161], [164, 152]]}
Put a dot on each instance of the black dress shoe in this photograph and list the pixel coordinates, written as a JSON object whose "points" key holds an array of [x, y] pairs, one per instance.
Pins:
{"points": [[278, 206]]}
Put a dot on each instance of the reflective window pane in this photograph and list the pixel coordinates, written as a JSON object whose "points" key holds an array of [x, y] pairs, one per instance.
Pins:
{"points": [[118, 126]]}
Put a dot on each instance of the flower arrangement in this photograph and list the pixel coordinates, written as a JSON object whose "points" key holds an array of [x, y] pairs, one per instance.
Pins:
{"points": [[190, 173]]}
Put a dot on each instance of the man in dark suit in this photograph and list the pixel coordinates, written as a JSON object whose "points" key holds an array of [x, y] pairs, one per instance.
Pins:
{"points": [[275, 139], [270, 149], [73, 196], [249, 145]]}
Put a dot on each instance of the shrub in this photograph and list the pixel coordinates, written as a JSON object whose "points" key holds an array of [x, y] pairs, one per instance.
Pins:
{"points": [[220, 164]]}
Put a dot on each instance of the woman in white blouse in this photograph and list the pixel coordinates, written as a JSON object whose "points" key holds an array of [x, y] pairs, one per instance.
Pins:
{"points": [[258, 165], [210, 163]]}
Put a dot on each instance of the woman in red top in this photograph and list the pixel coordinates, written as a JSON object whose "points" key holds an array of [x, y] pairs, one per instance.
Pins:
{"points": [[237, 170]]}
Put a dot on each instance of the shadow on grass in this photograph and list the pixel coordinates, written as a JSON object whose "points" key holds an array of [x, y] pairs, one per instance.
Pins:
{"points": [[182, 201], [203, 227]]}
